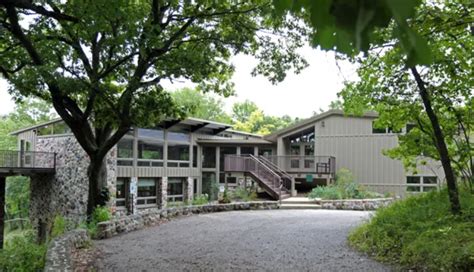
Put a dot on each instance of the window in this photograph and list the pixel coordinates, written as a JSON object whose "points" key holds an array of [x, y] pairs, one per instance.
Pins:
{"points": [[246, 150], [295, 150], [121, 192], [178, 152], [150, 150], [208, 157], [125, 152], [392, 130], [195, 186], [176, 189], [195, 156], [309, 150], [222, 177], [226, 150], [151, 133], [421, 184], [265, 152], [178, 136], [232, 180], [377, 129], [146, 191]]}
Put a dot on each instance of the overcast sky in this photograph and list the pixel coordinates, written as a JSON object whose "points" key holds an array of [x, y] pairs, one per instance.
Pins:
{"points": [[297, 96]]}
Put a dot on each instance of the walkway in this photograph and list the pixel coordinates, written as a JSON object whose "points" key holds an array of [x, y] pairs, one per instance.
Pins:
{"points": [[279, 240]]}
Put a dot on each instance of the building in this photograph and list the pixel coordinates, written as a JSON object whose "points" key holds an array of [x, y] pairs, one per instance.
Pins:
{"points": [[178, 159]]}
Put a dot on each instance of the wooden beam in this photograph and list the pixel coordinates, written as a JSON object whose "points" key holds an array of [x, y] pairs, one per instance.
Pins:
{"points": [[198, 127], [2, 209], [219, 130]]}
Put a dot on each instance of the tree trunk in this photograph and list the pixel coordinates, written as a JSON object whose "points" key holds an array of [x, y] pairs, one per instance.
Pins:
{"points": [[440, 144], [97, 174]]}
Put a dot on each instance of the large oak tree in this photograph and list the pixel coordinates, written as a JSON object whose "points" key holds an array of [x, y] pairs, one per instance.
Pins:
{"points": [[100, 62]]}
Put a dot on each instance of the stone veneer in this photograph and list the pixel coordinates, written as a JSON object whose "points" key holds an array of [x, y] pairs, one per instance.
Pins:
{"points": [[65, 192], [58, 256], [356, 204], [149, 217]]}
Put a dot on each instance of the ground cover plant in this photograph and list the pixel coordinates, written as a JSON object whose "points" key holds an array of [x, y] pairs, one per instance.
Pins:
{"points": [[420, 233], [344, 188]]}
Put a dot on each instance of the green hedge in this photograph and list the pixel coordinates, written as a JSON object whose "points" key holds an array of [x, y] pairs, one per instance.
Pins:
{"points": [[420, 233]]}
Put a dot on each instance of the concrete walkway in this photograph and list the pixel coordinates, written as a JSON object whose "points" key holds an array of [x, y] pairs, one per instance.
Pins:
{"points": [[277, 240]]}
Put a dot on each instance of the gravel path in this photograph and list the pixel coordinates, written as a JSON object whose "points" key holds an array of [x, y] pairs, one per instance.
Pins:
{"points": [[278, 240]]}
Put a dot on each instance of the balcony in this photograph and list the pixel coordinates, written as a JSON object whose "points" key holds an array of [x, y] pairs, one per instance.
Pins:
{"points": [[321, 165], [26, 162]]}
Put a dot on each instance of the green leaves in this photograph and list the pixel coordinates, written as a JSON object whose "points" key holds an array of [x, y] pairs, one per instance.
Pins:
{"points": [[348, 26]]}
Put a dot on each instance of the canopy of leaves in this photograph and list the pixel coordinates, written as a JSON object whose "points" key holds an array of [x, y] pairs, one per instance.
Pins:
{"points": [[388, 87], [348, 26]]}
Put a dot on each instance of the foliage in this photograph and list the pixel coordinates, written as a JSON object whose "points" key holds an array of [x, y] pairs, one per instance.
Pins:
{"points": [[100, 214], [241, 111], [226, 198], [201, 199], [420, 233], [201, 105], [101, 63], [244, 194], [258, 122], [348, 26], [59, 226], [22, 253], [344, 188]]}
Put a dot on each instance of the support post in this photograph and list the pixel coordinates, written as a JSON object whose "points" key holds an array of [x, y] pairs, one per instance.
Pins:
{"points": [[293, 187], [2, 209]]}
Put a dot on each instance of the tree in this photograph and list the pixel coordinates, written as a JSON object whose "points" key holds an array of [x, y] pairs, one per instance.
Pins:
{"points": [[350, 27], [201, 105], [241, 111], [100, 62], [436, 99]]}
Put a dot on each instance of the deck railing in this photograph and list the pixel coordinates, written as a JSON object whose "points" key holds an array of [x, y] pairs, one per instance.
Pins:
{"points": [[27, 159], [305, 164]]}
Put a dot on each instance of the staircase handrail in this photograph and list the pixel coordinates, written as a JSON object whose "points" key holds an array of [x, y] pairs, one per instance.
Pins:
{"points": [[280, 182], [275, 167]]}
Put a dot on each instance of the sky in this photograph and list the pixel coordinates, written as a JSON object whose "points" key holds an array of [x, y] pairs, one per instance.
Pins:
{"points": [[298, 95]]}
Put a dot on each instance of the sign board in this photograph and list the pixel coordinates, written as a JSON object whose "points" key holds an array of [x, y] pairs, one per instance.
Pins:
{"points": [[309, 178]]}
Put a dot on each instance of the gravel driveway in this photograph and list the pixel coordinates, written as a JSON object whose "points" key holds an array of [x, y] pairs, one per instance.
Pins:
{"points": [[277, 240]]}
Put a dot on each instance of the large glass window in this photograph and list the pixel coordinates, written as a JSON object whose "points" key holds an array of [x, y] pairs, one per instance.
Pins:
{"points": [[146, 191], [176, 189], [151, 133], [245, 150], [209, 185], [178, 136], [121, 192], [421, 184], [208, 157], [177, 152], [150, 150], [265, 152], [125, 152]]}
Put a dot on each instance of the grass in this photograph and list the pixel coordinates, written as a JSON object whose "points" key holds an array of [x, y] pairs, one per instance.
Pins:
{"points": [[420, 233]]}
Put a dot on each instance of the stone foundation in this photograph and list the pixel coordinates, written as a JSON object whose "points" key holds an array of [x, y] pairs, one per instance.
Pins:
{"points": [[58, 256], [151, 217], [356, 204]]}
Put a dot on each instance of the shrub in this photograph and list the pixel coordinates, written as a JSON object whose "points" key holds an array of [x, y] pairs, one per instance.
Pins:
{"points": [[420, 233], [245, 195], [225, 197], [344, 188], [100, 214], [201, 199], [59, 226], [21, 253]]}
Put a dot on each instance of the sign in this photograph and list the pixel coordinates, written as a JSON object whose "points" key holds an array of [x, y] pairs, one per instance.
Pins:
{"points": [[309, 178]]}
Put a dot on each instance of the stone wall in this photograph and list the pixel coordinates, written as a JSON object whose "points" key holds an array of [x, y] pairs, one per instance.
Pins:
{"points": [[58, 256], [356, 204], [65, 192], [151, 217]]}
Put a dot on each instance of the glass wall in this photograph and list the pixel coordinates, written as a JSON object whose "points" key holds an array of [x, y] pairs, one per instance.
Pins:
{"points": [[246, 150], [121, 191], [146, 191], [125, 152], [176, 189], [178, 155], [208, 157]]}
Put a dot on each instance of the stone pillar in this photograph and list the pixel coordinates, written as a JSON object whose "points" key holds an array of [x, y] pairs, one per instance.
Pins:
{"points": [[132, 195], [293, 187], [163, 193], [188, 189]]}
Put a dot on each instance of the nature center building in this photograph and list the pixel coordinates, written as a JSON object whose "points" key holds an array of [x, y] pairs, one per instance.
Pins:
{"points": [[179, 159]]}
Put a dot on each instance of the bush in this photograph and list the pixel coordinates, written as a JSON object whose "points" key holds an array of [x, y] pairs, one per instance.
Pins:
{"points": [[201, 199], [59, 226], [225, 197], [21, 253], [245, 195], [344, 188], [100, 214], [420, 233]]}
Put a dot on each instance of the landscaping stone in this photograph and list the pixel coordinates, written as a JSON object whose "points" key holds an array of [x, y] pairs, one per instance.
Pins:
{"points": [[59, 254], [356, 204], [154, 216]]}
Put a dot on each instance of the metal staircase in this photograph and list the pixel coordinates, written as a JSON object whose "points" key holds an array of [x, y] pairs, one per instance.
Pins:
{"points": [[269, 177]]}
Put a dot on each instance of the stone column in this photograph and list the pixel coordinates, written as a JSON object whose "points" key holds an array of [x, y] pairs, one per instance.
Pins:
{"points": [[132, 195], [293, 189], [188, 189], [163, 193]]}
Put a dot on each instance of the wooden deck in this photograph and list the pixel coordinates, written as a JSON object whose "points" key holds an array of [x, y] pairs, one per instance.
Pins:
{"points": [[26, 162]]}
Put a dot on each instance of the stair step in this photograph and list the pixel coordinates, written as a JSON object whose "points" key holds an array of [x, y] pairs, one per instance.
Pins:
{"points": [[300, 206]]}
